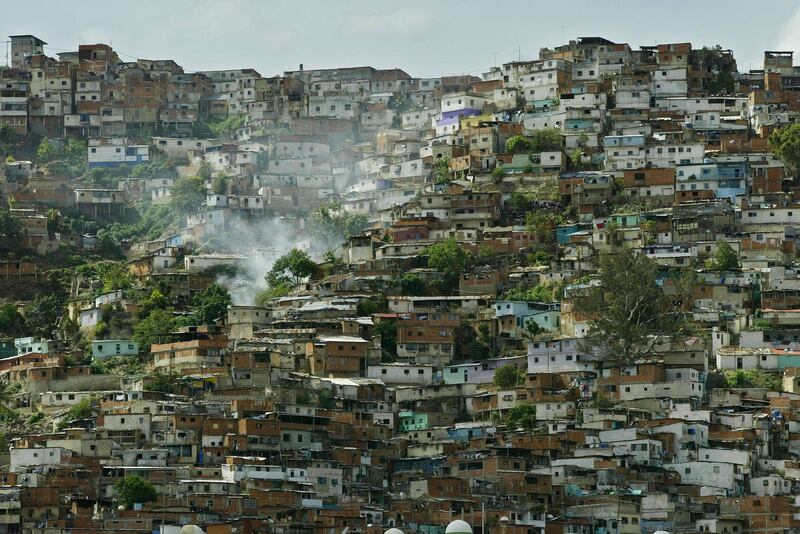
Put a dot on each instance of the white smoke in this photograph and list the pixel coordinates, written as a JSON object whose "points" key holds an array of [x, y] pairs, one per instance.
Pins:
{"points": [[261, 242]]}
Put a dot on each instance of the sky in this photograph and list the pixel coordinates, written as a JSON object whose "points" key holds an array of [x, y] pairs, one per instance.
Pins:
{"points": [[425, 38]]}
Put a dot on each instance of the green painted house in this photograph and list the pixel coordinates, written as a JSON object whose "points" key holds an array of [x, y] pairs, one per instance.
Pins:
{"points": [[103, 348], [413, 421]]}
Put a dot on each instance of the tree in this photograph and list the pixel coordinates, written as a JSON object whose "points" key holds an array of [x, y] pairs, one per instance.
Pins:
{"points": [[219, 185], [725, 258], [546, 140], [108, 245], [227, 125], [441, 171], [508, 377], [54, 220], [521, 417], [71, 160], [114, 276], [10, 231], [188, 194], [785, 143], [331, 224], [145, 135], [537, 293], [12, 323], [387, 330], [412, 285], [164, 383], [210, 305], [154, 328], [449, 258], [540, 257], [133, 489], [722, 82], [371, 305], [483, 346], [201, 130], [8, 134], [518, 144], [264, 296], [204, 171], [42, 314], [46, 151], [154, 301], [719, 62], [542, 225], [102, 178], [753, 378], [649, 232], [331, 258], [576, 158], [291, 268], [498, 173], [531, 330], [628, 312], [520, 202], [81, 410]]}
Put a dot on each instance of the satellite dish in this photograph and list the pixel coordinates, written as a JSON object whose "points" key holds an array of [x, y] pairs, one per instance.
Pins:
{"points": [[191, 529]]}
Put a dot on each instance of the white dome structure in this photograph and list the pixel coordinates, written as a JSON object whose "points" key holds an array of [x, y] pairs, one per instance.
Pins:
{"points": [[191, 529], [458, 527], [393, 531]]}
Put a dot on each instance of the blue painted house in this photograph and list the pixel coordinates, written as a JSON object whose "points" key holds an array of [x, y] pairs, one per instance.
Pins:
{"points": [[564, 231]]}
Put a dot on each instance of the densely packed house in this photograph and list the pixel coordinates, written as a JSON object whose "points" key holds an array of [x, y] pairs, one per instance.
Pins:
{"points": [[394, 388]]}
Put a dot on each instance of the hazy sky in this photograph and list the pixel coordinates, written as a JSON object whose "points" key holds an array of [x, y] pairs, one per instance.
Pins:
{"points": [[425, 38]]}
